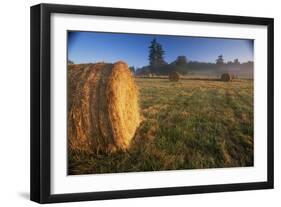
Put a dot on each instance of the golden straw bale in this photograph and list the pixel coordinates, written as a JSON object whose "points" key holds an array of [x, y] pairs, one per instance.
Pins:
{"points": [[174, 76], [226, 77], [103, 110]]}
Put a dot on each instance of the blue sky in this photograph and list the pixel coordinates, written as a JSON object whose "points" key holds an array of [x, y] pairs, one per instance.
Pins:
{"points": [[85, 47]]}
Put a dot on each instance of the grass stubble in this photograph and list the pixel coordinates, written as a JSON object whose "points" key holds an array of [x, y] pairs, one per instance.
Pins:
{"points": [[190, 124]]}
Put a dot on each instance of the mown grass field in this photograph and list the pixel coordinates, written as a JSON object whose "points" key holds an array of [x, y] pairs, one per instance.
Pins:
{"points": [[190, 124]]}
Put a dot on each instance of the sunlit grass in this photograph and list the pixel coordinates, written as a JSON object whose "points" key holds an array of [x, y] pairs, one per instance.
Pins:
{"points": [[188, 124]]}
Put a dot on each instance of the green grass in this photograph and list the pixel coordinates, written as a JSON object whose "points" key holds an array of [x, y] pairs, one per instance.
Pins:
{"points": [[190, 124]]}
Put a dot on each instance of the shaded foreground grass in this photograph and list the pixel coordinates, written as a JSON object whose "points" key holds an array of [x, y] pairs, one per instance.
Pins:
{"points": [[190, 124]]}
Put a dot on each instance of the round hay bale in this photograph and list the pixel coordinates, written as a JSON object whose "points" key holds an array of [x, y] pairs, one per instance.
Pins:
{"points": [[103, 110], [174, 76], [226, 77]]}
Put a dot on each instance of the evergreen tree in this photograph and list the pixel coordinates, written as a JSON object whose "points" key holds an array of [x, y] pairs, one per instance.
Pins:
{"points": [[156, 55], [132, 68], [236, 61], [181, 60], [220, 60]]}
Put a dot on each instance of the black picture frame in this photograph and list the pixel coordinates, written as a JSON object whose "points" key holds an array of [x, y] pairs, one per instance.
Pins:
{"points": [[41, 99]]}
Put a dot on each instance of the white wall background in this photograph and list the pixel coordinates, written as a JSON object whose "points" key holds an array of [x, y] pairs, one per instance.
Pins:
{"points": [[14, 104]]}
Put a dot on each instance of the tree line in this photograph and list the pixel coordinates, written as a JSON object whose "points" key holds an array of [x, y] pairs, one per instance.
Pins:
{"points": [[158, 65]]}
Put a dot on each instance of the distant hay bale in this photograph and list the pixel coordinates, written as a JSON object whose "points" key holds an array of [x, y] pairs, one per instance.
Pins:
{"points": [[103, 110], [226, 77], [174, 76]]}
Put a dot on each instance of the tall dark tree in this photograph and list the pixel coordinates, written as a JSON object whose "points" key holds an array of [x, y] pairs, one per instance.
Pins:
{"points": [[236, 61], [181, 60], [220, 60], [156, 55], [132, 68]]}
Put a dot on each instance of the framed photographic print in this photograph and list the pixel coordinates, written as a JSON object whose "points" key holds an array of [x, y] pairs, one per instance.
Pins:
{"points": [[133, 103]]}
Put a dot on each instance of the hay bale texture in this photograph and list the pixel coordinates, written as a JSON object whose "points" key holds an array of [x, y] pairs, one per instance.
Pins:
{"points": [[174, 76], [226, 77], [103, 110]]}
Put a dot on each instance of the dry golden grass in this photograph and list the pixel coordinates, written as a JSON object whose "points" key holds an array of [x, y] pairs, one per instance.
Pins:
{"points": [[103, 110], [190, 124]]}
